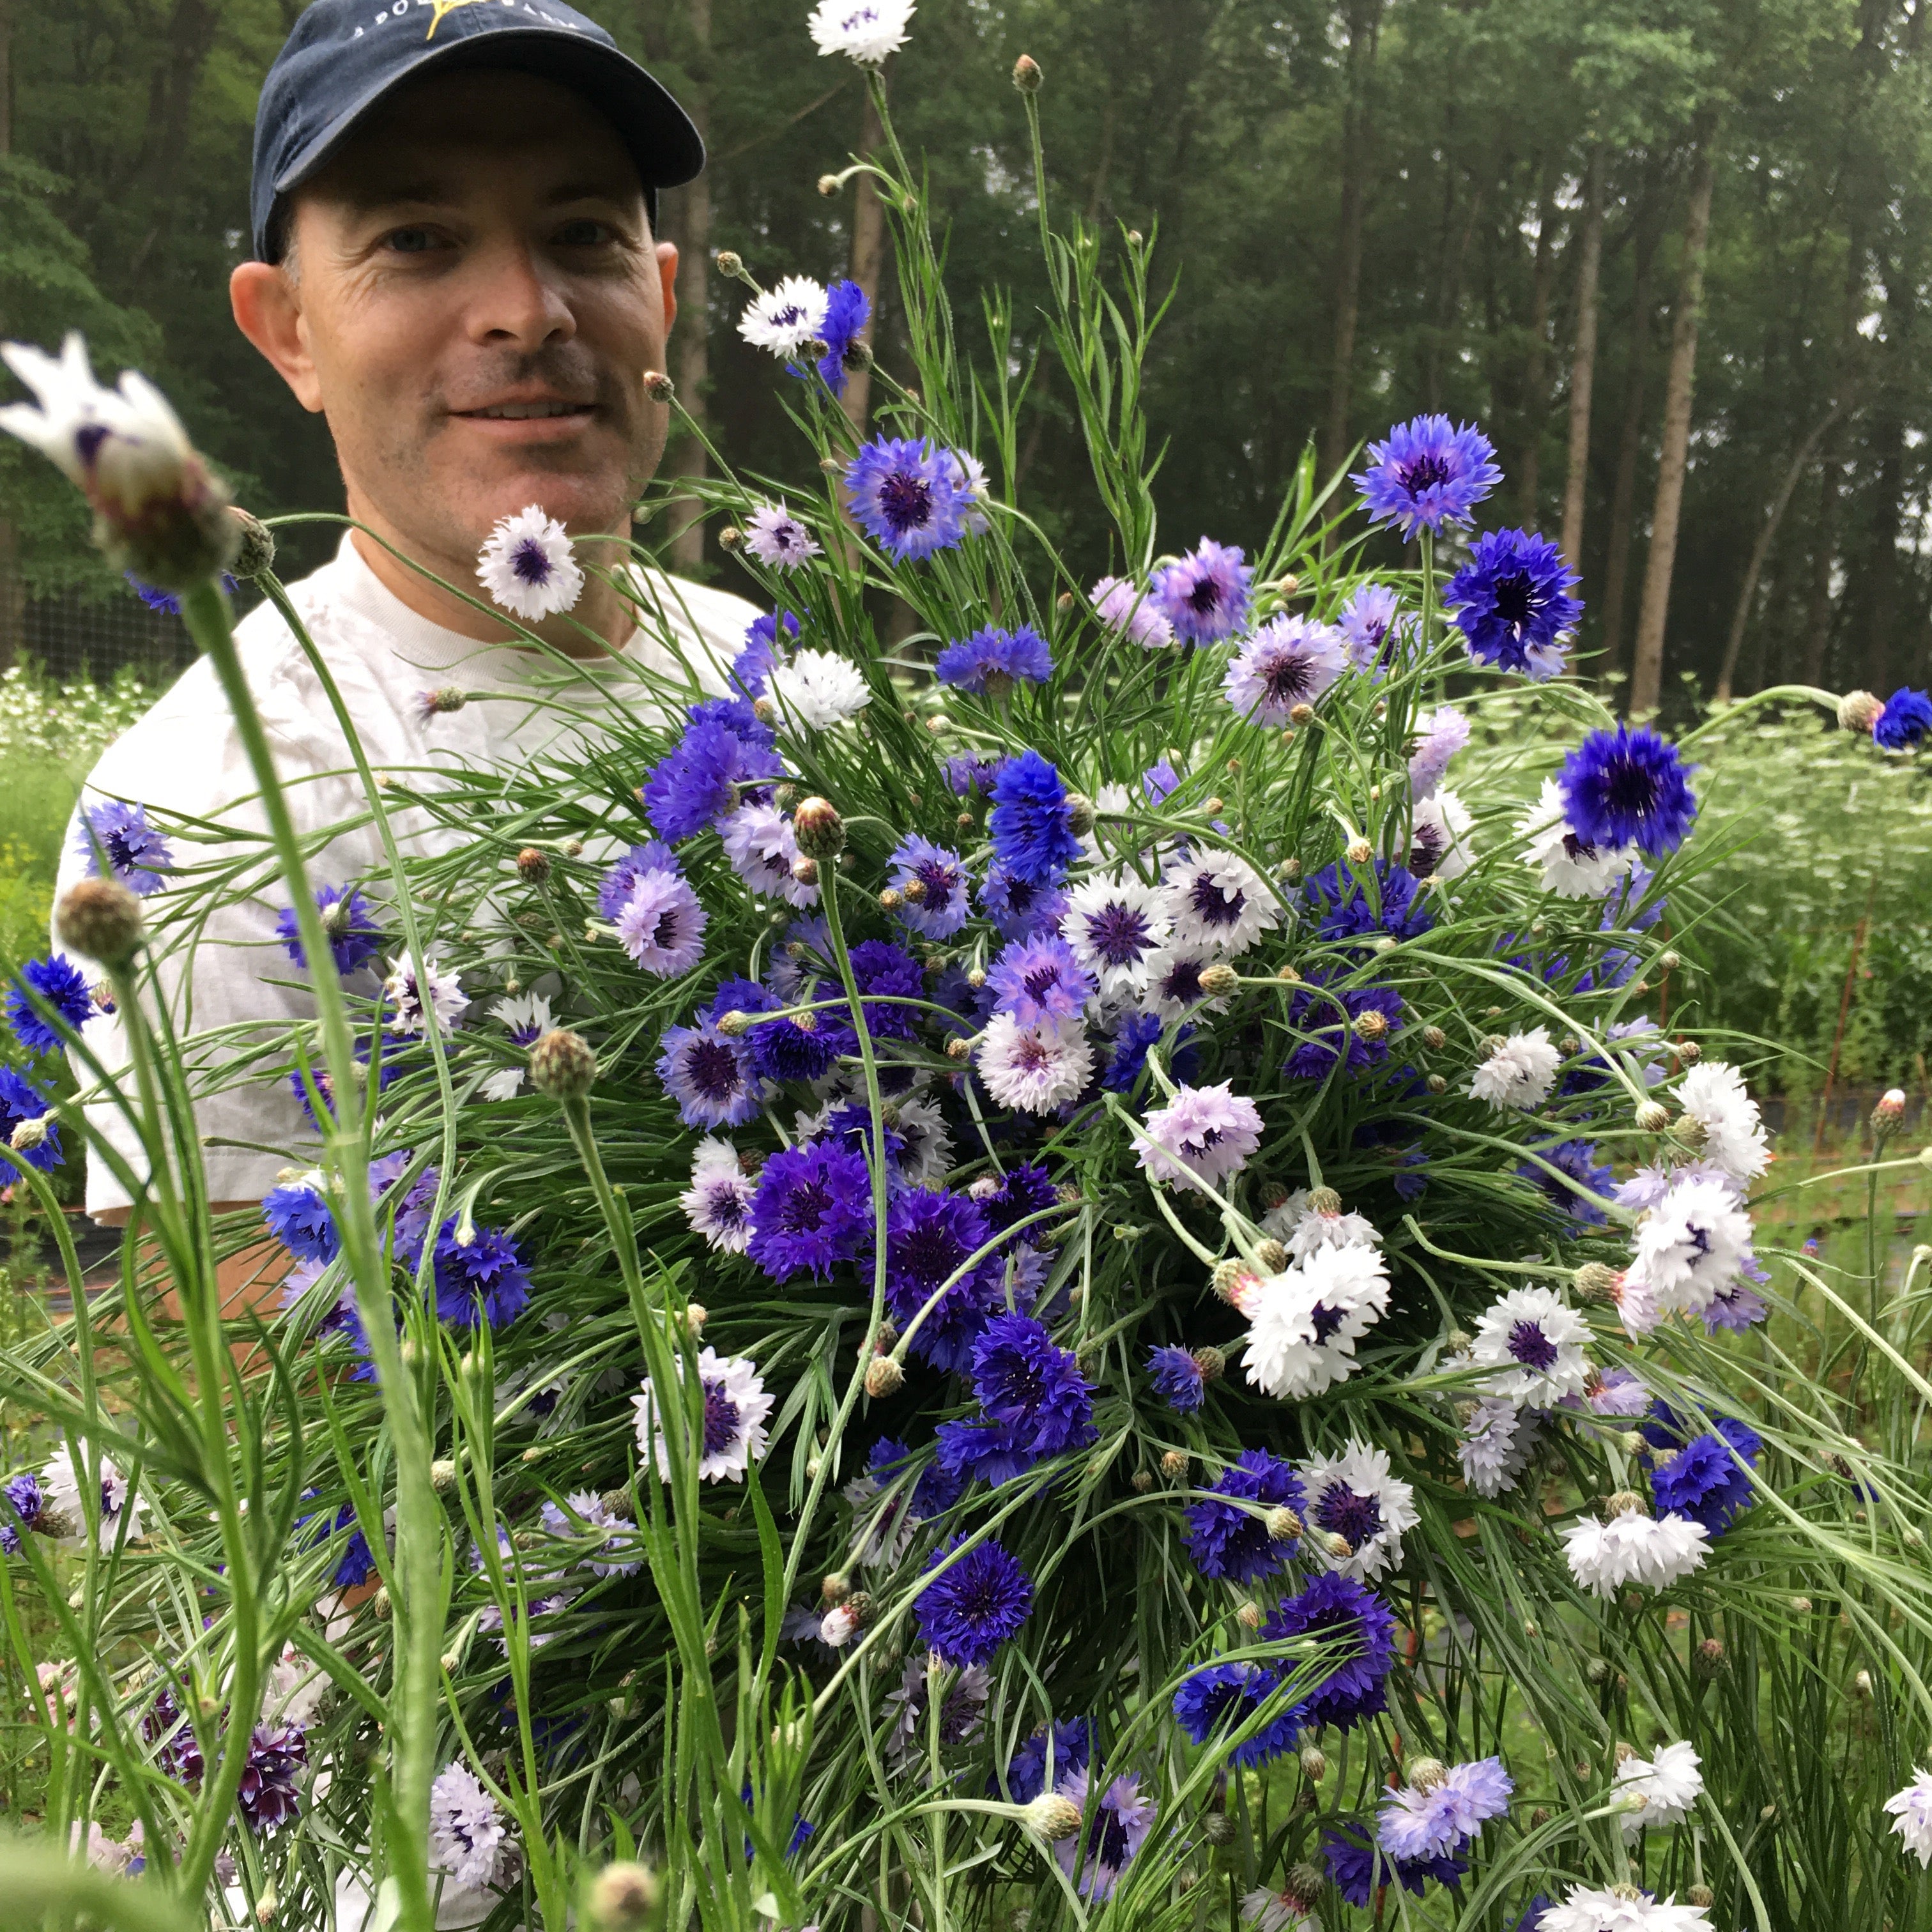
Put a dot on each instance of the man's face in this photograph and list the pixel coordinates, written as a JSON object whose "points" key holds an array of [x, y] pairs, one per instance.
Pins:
{"points": [[479, 300]]}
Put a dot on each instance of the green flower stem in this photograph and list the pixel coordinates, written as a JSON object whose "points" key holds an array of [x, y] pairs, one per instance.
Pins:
{"points": [[1776, 694]]}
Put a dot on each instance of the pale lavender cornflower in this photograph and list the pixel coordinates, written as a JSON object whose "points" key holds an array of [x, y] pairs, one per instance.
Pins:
{"points": [[466, 1829], [1132, 612], [1911, 1813], [717, 1203], [661, 925], [778, 539], [1288, 662], [1202, 1134], [1204, 594], [762, 848], [1440, 735], [1431, 1816], [1377, 634]]}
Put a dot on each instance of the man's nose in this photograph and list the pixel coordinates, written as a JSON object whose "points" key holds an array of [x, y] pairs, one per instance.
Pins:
{"points": [[517, 302]]}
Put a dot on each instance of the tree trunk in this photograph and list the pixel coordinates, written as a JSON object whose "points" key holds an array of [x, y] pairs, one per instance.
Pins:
{"points": [[1583, 361], [1623, 494], [1674, 452], [867, 267], [1535, 400], [1825, 548], [1761, 550], [693, 373], [12, 602], [1364, 22]]}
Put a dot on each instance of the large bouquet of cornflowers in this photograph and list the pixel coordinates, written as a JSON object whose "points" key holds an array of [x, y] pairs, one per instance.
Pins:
{"points": [[1048, 1276]]}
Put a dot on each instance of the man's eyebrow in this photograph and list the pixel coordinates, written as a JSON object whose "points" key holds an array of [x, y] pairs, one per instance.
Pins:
{"points": [[595, 187], [369, 196]]}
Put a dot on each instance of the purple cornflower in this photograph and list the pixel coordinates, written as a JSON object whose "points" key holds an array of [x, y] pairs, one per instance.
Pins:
{"points": [[61, 984], [357, 1563], [1179, 1379], [1591, 1183], [1904, 721], [1439, 1818], [698, 781], [1122, 606], [1027, 1384], [753, 664], [1427, 473], [267, 1796], [1030, 824], [1229, 1693], [301, 1220], [1626, 787], [990, 659], [21, 1101], [709, 1076], [348, 923], [615, 888], [1204, 594], [941, 905], [778, 1050], [1356, 1631], [1228, 1541], [1328, 1019], [1019, 906], [1512, 603], [847, 311], [134, 852], [1072, 1746], [178, 1751], [1288, 662], [813, 1209], [1378, 635], [484, 1275], [929, 1234], [1137, 1033], [978, 1604], [1359, 1871], [906, 497], [966, 772], [1440, 735], [22, 1500], [1203, 1134], [1703, 1481], [885, 976], [1737, 1306], [1345, 908], [1039, 978], [1113, 1836]]}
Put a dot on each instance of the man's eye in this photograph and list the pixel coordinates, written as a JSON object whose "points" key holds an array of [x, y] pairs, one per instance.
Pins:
{"points": [[410, 242], [583, 234]]}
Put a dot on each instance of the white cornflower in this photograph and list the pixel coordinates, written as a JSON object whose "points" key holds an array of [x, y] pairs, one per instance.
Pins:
{"points": [[1305, 1323], [1691, 1246], [1497, 1441], [1519, 1072], [818, 690], [927, 1157], [1218, 900], [1035, 1068], [1354, 1500], [1586, 1910], [527, 1018], [527, 566], [1534, 1345], [1277, 1912], [1282, 1220], [1314, 1229], [1115, 922], [736, 1406], [412, 1013], [1173, 988], [295, 1689], [61, 1482], [1633, 1548], [1911, 1812], [777, 539], [1570, 867], [761, 845], [1669, 1783], [717, 1203], [466, 1830], [865, 30], [971, 483], [1713, 1094], [1438, 846], [784, 320]]}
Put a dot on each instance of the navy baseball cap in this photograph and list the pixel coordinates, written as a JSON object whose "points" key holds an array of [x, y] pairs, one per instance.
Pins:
{"points": [[346, 57]]}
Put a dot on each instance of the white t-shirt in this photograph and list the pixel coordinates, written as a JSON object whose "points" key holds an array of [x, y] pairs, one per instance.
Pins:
{"points": [[183, 762]]}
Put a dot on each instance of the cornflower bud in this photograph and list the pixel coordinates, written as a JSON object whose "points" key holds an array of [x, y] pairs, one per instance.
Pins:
{"points": [[1624, 1502], [1889, 1116], [1211, 805], [1079, 814], [1428, 1774], [731, 538], [695, 1316], [1212, 1363], [442, 1475], [623, 1896], [1300, 714], [1142, 1481], [805, 870], [1434, 1039], [1701, 1896], [730, 263], [1218, 1828], [834, 1589], [1652, 1117], [1360, 852], [828, 184], [101, 918], [255, 557], [1174, 1464], [1052, 1814], [1218, 980], [28, 1134], [883, 1377], [1596, 1281], [1249, 1616], [1436, 1083], [1859, 711], [819, 830], [1283, 1525], [1027, 77], [1314, 1765], [1369, 1025], [891, 899], [562, 1065]]}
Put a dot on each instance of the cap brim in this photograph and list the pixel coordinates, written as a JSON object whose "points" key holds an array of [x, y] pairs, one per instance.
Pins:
{"points": [[667, 150]]}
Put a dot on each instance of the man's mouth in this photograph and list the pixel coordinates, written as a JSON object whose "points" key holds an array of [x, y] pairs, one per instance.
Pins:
{"points": [[526, 411]]}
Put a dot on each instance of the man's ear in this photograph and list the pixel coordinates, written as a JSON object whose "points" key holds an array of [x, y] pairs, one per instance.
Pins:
{"points": [[267, 303], [666, 254]]}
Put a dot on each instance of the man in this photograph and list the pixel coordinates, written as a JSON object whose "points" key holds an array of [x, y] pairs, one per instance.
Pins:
{"points": [[455, 264]]}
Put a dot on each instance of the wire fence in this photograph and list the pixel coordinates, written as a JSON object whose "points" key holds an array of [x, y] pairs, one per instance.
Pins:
{"points": [[71, 638]]}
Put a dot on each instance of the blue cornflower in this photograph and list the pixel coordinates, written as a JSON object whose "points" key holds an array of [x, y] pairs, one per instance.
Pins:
{"points": [[753, 665], [1028, 1383], [941, 903], [1703, 1481], [1328, 1018], [22, 1500], [1594, 1182], [1135, 1034], [348, 920], [1019, 906], [614, 889], [892, 975], [907, 497], [966, 772], [1904, 722], [165, 602], [1229, 1693], [1515, 602], [813, 1208], [974, 664], [301, 1220], [1030, 823], [847, 311], [1345, 909], [778, 1050], [1227, 1539], [1409, 1184], [1532, 1916], [929, 1234], [1072, 1745], [699, 780], [135, 853], [1204, 594], [299, 1083], [1179, 1379], [1428, 472], [60, 984], [21, 1101], [1626, 787], [987, 1452], [1359, 1871], [709, 1076], [980, 1602], [1040, 979], [1358, 1628], [1027, 1189], [484, 1273], [357, 1563]]}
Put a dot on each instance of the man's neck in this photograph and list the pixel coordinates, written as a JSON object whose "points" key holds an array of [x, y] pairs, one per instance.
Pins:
{"points": [[602, 621]]}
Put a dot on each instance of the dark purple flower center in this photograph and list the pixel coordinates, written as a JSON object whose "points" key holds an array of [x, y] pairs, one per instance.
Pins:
{"points": [[529, 562], [1628, 786], [1575, 848], [1041, 980], [123, 852], [1531, 1346], [721, 1419], [1425, 472], [905, 501], [1515, 598], [1354, 1518], [1210, 904], [939, 881], [927, 1254], [803, 1209], [1019, 897], [1426, 853], [725, 1205], [1031, 1053], [1119, 934], [788, 317], [1110, 1840], [1205, 596], [1326, 1320], [1287, 678], [88, 439], [1182, 981], [712, 1069]]}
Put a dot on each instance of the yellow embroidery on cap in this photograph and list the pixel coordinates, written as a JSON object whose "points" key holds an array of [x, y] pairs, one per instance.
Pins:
{"points": [[442, 6]]}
